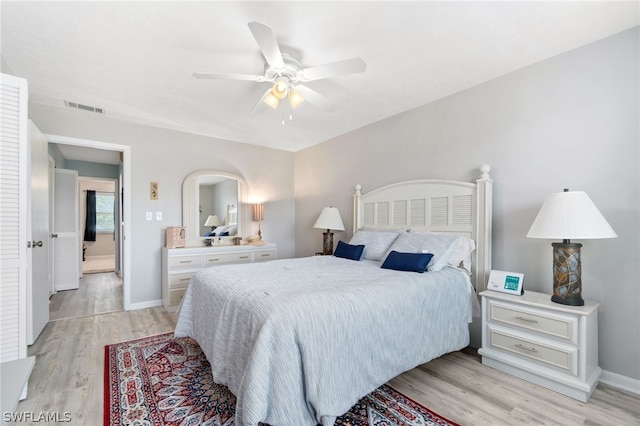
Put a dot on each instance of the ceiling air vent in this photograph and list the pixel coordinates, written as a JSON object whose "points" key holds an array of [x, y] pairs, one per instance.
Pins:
{"points": [[84, 107]]}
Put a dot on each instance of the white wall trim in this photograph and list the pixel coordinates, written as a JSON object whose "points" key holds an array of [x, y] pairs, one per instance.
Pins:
{"points": [[145, 305], [126, 177], [621, 382]]}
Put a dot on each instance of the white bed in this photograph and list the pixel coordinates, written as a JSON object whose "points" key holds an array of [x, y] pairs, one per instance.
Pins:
{"points": [[299, 341]]}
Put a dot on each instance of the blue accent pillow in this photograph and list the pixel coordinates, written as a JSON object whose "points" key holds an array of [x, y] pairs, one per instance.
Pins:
{"points": [[349, 251], [412, 262]]}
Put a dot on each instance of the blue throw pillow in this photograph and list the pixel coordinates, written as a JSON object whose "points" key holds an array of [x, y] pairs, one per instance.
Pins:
{"points": [[348, 251], [413, 262]]}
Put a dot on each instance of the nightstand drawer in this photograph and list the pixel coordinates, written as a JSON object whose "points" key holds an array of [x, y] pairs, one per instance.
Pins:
{"points": [[563, 358], [177, 262], [220, 258], [557, 325], [180, 280], [263, 255]]}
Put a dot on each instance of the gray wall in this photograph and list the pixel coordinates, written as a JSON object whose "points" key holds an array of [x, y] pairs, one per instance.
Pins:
{"points": [[167, 157], [570, 121]]}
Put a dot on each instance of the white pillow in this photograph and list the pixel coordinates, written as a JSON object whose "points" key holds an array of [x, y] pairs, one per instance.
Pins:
{"points": [[410, 242], [447, 250], [232, 230], [376, 243], [220, 229], [461, 255]]}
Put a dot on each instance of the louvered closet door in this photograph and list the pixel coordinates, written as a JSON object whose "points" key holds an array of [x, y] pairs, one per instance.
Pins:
{"points": [[13, 218]]}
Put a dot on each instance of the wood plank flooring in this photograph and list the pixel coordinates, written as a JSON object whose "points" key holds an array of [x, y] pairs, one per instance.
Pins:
{"points": [[97, 293], [68, 376]]}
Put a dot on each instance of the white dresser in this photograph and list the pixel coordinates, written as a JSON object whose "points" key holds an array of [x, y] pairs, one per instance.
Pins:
{"points": [[179, 264], [546, 343]]}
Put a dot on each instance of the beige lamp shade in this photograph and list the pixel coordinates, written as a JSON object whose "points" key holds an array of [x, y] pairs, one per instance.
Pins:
{"points": [[570, 215], [258, 212]]}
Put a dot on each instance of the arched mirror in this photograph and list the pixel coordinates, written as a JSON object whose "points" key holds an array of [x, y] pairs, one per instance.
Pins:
{"points": [[213, 206]]}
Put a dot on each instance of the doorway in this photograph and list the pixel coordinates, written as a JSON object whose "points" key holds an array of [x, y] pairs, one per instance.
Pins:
{"points": [[103, 288]]}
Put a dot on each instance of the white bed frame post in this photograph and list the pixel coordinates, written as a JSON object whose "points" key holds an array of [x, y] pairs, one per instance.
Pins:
{"points": [[356, 208], [483, 231]]}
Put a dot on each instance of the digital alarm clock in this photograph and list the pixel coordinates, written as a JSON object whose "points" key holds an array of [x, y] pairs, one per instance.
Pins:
{"points": [[506, 282]]}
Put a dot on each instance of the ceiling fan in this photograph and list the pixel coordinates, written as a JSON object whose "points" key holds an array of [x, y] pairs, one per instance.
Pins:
{"points": [[286, 73]]}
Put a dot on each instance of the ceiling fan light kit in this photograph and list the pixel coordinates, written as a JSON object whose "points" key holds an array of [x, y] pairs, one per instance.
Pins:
{"points": [[286, 74]]}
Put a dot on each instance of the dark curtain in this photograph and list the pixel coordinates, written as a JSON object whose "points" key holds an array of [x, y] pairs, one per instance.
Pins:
{"points": [[90, 225]]}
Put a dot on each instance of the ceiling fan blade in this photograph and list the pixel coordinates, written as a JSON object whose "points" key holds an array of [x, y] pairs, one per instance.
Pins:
{"points": [[218, 76], [268, 44], [315, 98], [348, 66]]}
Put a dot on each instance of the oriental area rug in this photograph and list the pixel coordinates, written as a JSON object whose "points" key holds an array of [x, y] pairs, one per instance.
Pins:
{"points": [[162, 380]]}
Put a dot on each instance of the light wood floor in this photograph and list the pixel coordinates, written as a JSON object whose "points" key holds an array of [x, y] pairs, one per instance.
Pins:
{"points": [[98, 293], [68, 376]]}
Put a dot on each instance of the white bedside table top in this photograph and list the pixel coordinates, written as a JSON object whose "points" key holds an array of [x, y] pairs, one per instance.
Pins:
{"points": [[542, 300]]}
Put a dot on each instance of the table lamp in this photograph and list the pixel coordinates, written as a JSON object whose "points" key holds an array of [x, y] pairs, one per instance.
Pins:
{"points": [[568, 215], [213, 221], [329, 219], [258, 216]]}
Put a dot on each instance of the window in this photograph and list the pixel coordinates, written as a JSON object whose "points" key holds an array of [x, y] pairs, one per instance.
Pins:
{"points": [[105, 212]]}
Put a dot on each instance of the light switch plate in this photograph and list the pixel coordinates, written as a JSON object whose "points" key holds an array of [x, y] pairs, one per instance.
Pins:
{"points": [[158, 215], [149, 215]]}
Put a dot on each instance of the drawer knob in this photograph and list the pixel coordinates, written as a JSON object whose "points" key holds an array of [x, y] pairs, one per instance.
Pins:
{"points": [[213, 260], [521, 346], [527, 320], [265, 255], [244, 257], [185, 261]]}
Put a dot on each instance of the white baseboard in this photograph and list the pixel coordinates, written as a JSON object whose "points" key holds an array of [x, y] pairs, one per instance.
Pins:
{"points": [[143, 305], [621, 382], [102, 256]]}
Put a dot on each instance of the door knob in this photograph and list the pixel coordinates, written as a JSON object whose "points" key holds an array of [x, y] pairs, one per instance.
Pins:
{"points": [[35, 244], [54, 235]]}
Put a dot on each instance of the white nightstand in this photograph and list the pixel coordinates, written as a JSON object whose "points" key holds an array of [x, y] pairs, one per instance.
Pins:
{"points": [[546, 343]]}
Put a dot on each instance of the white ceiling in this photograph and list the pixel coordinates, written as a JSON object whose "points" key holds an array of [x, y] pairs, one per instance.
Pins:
{"points": [[135, 59]]}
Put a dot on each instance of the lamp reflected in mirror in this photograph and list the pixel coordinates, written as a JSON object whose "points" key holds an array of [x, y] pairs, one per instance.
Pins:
{"points": [[213, 221]]}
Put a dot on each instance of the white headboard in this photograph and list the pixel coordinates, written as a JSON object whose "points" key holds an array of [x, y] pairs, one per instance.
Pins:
{"points": [[450, 207]]}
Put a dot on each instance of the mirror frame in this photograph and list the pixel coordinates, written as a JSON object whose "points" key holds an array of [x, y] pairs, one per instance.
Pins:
{"points": [[191, 205]]}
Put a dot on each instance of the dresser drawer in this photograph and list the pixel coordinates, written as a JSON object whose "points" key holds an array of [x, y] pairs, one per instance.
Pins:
{"points": [[213, 259], [560, 357], [178, 262], [175, 296], [181, 280], [264, 255], [557, 325]]}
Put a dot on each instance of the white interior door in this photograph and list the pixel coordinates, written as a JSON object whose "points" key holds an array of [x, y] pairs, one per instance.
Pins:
{"points": [[52, 179], [38, 281], [66, 231]]}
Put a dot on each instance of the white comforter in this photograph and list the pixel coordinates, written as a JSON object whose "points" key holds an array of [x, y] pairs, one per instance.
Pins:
{"points": [[299, 341]]}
